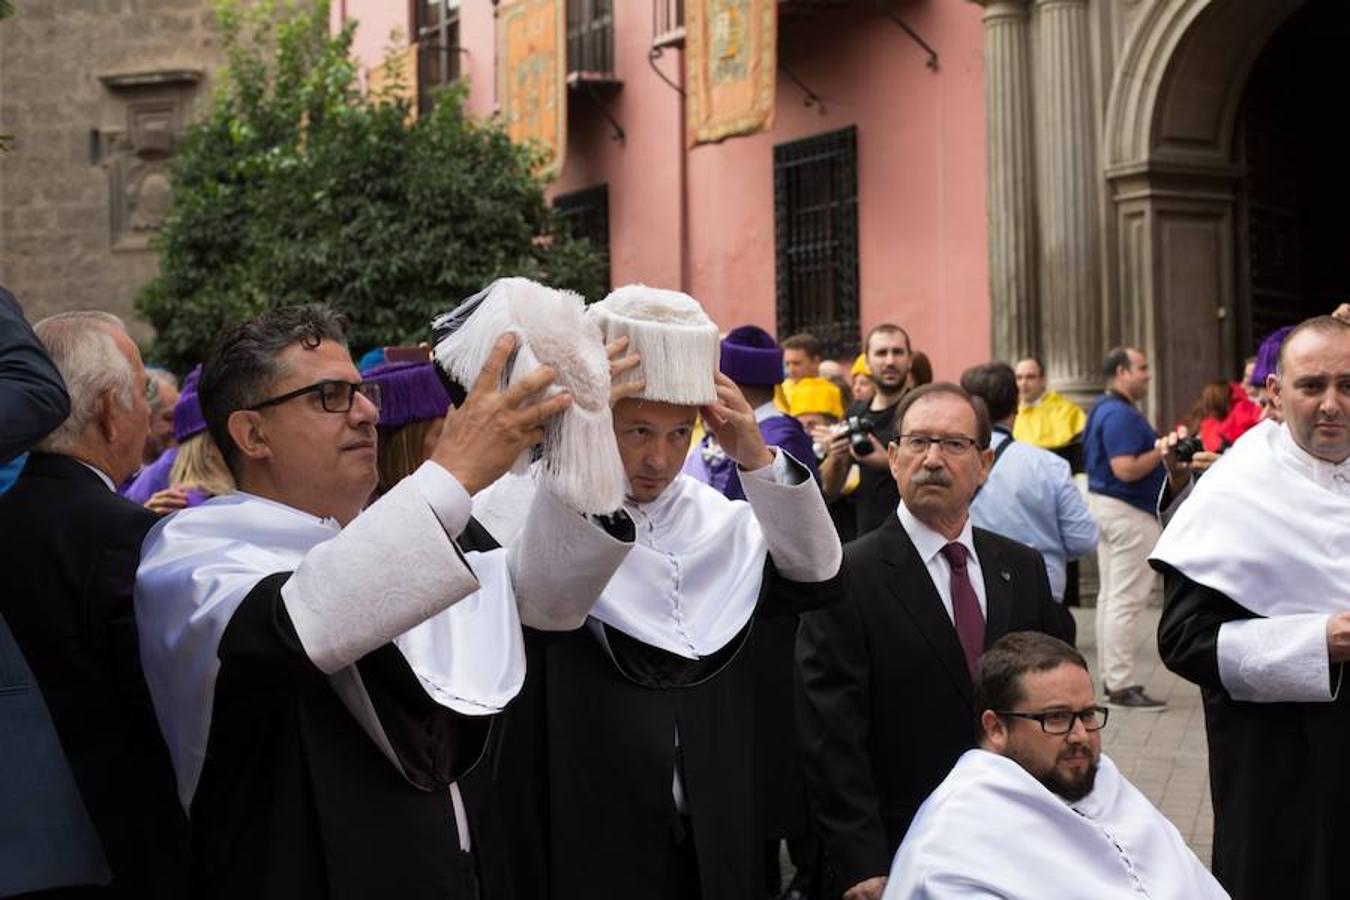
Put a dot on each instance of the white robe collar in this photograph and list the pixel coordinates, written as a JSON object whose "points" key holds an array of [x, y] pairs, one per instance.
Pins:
{"points": [[1268, 526], [199, 564], [991, 829], [693, 579]]}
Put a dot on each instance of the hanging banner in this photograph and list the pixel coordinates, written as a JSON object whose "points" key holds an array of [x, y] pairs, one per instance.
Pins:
{"points": [[532, 76], [731, 60]]}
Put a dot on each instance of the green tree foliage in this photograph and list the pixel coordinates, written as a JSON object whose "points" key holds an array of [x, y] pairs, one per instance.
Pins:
{"points": [[295, 188]]}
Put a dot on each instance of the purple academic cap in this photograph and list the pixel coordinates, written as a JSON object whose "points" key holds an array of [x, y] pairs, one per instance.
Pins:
{"points": [[409, 392], [187, 412], [750, 355], [1268, 355]]}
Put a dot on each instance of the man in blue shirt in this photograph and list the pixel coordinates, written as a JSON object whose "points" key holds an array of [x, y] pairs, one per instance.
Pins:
{"points": [[1029, 494], [1125, 473]]}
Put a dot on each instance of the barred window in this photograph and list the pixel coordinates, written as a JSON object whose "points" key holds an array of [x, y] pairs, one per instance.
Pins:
{"points": [[816, 233], [437, 31], [587, 212]]}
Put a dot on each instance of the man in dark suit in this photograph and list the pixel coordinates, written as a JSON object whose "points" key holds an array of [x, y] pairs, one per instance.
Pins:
{"points": [[73, 546], [46, 838], [885, 697]]}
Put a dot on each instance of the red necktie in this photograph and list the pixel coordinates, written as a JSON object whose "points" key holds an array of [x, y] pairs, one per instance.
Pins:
{"points": [[965, 607]]}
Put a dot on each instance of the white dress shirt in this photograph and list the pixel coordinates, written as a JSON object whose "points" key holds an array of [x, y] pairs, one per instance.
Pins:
{"points": [[929, 543], [102, 475]]}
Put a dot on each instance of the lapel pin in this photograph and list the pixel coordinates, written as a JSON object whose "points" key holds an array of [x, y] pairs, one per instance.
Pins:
{"points": [[1005, 575]]}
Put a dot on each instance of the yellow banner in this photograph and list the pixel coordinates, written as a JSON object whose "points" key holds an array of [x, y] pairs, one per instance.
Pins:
{"points": [[532, 75], [731, 67]]}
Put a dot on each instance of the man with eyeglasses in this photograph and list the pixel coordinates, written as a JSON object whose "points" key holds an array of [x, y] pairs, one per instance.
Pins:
{"points": [[885, 678], [324, 671], [1037, 812]]}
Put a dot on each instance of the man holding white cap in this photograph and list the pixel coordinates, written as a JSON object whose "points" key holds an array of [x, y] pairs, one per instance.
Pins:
{"points": [[628, 759]]}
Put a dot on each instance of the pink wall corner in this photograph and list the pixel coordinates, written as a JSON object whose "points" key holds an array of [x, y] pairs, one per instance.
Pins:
{"points": [[643, 172], [477, 34], [376, 24]]}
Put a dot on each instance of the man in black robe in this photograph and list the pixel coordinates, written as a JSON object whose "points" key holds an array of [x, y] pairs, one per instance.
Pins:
{"points": [[627, 765], [323, 674], [1257, 613]]}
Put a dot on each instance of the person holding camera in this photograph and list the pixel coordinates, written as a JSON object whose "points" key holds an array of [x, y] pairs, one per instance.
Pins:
{"points": [[1125, 474], [868, 428]]}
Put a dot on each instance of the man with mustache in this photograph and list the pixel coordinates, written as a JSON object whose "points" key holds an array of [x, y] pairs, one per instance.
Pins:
{"points": [[889, 355], [1039, 770], [885, 689], [1256, 580]]}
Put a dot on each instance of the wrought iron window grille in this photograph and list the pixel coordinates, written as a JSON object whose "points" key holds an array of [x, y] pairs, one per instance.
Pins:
{"points": [[816, 238]]}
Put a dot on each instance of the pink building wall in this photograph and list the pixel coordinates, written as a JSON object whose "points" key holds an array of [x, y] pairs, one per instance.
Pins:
{"points": [[921, 164]]}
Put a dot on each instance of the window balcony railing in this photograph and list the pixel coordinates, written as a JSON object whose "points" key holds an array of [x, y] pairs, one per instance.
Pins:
{"points": [[590, 41], [667, 23]]}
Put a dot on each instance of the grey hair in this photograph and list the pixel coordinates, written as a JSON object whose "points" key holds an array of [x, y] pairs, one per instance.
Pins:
{"points": [[154, 377], [81, 346]]}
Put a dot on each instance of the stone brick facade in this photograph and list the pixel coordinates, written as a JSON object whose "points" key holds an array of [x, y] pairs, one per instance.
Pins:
{"points": [[96, 94]]}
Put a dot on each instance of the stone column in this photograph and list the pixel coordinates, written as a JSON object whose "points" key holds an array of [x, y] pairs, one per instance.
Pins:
{"points": [[1067, 177], [1014, 315]]}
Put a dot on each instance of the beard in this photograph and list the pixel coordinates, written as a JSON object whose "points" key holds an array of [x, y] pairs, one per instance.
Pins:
{"points": [[890, 380], [1070, 788]]}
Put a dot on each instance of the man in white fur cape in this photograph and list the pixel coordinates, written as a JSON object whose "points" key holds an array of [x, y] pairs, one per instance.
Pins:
{"points": [[322, 671], [1037, 812], [1256, 577], [626, 766]]}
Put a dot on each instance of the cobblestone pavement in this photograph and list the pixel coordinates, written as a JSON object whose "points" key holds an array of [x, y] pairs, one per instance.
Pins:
{"points": [[1163, 754]]}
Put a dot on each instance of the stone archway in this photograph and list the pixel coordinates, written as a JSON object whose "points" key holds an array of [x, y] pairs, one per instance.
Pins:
{"points": [[1168, 158]]}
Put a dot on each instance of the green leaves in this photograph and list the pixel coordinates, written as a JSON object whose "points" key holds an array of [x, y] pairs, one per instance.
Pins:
{"points": [[295, 187]]}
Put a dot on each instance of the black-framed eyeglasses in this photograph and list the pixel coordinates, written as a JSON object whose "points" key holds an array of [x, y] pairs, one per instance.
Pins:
{"points": [[335, 396], [950, 445], [1060, 721]]}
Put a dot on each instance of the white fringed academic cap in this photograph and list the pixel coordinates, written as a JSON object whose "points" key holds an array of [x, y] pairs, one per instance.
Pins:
{"points": [[580, 463], [678, 343]]}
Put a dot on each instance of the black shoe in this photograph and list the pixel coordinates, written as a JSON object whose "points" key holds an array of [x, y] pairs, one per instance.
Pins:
{"points": [[1134, 698]]}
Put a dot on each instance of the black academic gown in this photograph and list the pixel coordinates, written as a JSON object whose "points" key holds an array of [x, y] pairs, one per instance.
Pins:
{"points": [[588, 758], [1278, 773], [295, 801]]}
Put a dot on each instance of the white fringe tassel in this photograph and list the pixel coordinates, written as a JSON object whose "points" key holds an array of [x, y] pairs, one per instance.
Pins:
{"points": [[581, 463]]}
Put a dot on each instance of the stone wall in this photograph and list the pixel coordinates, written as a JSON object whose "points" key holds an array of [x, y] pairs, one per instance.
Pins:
{"points": [[96, 94]]}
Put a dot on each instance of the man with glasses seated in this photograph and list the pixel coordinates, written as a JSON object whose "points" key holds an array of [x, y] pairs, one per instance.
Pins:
{"points": [[885, 678], [1037, 811], [324, 671]]}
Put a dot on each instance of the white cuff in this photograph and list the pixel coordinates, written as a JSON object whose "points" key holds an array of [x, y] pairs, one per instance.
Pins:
{"points": [[784, 469], [1282, 659], [445, 495], [392, 568], [560, 561], [792, 515]]}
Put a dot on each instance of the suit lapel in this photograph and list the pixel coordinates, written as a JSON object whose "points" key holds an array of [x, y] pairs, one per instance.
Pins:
{"points": [[998, 588], [914, 592]]}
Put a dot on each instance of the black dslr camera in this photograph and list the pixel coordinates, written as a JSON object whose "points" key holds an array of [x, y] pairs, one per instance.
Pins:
{"points": [[859, 430], [1187, 447]]}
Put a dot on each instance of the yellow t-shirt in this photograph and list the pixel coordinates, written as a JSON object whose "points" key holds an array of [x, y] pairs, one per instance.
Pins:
{"points": [[1053, 422]]}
